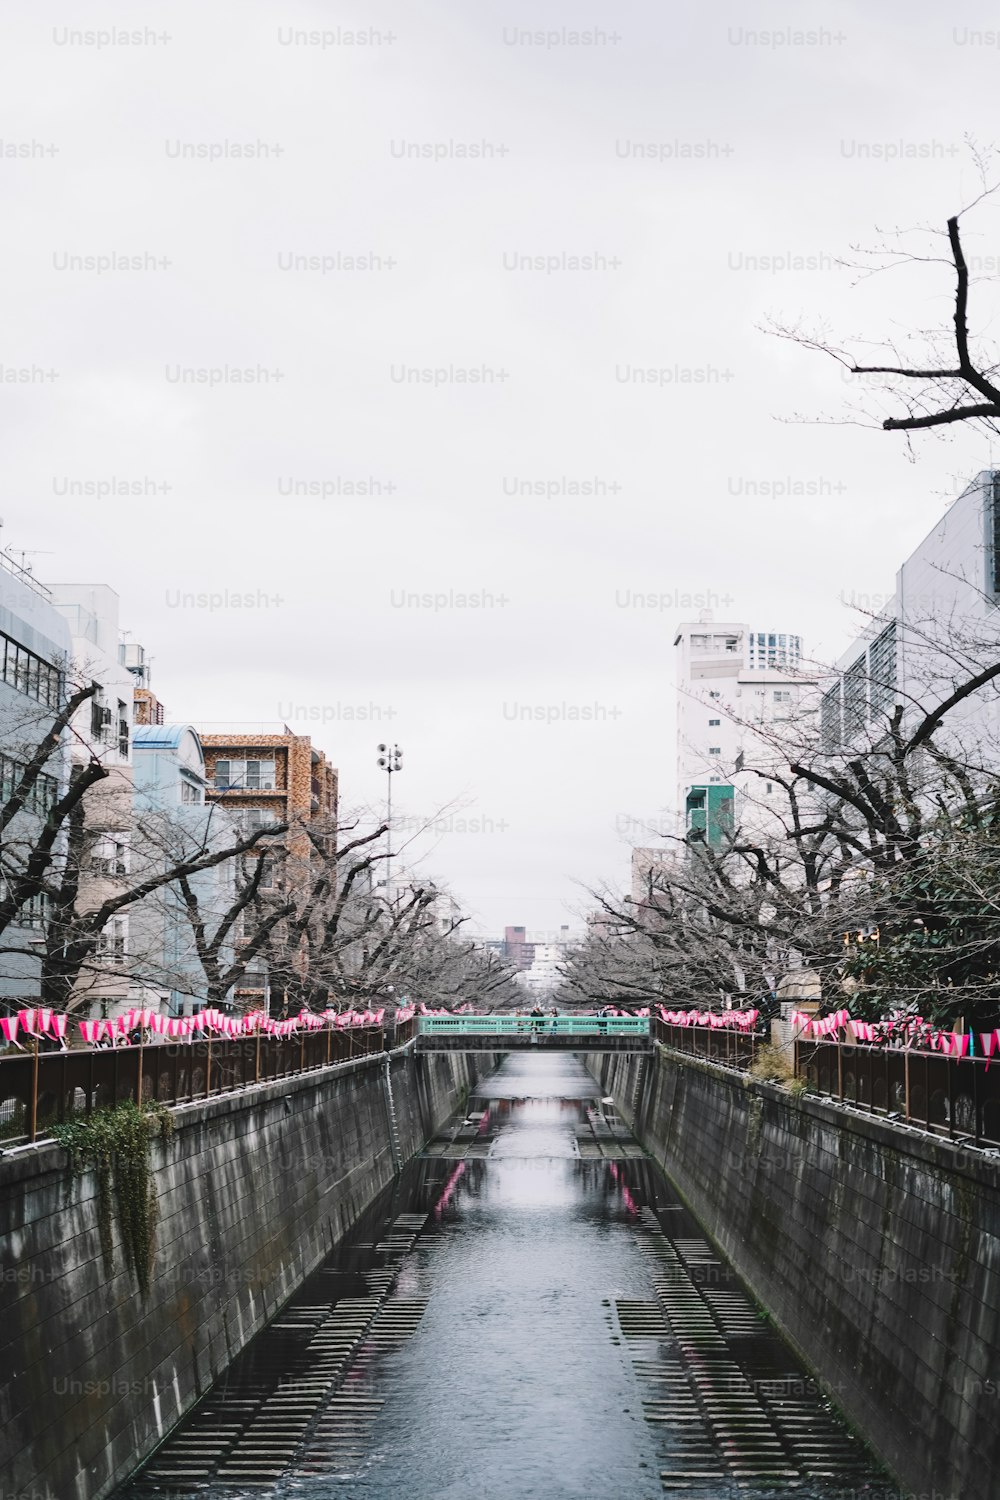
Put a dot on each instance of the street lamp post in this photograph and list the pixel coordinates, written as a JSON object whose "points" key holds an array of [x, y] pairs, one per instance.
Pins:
{"points": [[390, 759]]}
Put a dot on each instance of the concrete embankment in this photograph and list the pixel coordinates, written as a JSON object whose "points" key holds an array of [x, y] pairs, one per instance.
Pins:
{"points": [[253, 1190], [875, 1249]]}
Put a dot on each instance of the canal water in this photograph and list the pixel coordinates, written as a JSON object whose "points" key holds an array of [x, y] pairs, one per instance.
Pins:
{"points": [[529, 1314]]}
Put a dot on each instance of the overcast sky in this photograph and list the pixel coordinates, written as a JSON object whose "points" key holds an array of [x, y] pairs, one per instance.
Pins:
{"points": [[546, 710]]}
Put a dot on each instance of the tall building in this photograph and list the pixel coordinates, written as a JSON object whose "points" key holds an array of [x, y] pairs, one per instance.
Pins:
{"points": [[102, 730], [735, 688], [515, 948], [946, 605], [34, 653], [543, 976], [265, 774], [169, 776], [270, 775]]}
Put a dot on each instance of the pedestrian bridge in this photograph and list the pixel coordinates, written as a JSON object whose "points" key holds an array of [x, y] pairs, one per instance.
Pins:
{"points": [[543, 1033]]}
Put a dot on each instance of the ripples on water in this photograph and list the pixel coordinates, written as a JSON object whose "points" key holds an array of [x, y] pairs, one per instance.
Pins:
{"points": [[522, 1338]]}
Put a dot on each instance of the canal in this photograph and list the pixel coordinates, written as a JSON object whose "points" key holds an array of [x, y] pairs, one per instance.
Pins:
{"points": [[530, 1313]]}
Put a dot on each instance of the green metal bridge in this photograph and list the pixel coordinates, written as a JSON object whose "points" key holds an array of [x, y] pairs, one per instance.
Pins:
{"points": [[550, 1033]]}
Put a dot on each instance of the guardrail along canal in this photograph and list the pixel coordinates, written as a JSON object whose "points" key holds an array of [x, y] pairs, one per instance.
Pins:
{"points": [[529, 1314]]}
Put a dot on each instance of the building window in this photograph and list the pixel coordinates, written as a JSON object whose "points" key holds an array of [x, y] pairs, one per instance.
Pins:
{"points": [[108, 857], [714, 723], [253, 818], [43, 794], [32, 913], [882, 670], [768, 787], [715, 749], [29, 674], [855, 697], [101, 718], [111, 944], [190, 791], [245, 775], [782, 695], [829, 719]]}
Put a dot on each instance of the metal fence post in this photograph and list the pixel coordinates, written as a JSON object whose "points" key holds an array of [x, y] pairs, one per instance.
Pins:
{"points": [[34, 1093]]}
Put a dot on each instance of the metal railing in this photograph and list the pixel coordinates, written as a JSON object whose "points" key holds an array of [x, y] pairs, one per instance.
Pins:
{"points": [[725, 1045], [955, 1097], [42, 1089], [23, 575], [533, 1025]]}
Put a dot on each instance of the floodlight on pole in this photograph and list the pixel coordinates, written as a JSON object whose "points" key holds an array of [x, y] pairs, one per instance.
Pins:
{"points": [[390, 759]]}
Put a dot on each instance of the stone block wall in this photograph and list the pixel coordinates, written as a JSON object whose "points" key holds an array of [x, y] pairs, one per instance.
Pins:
{"points": [[253, 1191], [876, 1250]]}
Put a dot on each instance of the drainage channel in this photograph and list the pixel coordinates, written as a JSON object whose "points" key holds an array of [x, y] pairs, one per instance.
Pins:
{"points": [[531, 1312]]}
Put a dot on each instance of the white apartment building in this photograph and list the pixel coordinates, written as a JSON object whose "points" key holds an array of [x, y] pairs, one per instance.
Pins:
{"points": [[102, 729], [543, 976], [735, 687], [946, 606], [34, 652]]}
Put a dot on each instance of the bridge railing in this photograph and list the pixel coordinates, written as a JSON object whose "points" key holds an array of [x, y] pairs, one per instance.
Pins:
{"points": [[506, 1025], [38, 1090], [726, 1045], [955, 1097]]}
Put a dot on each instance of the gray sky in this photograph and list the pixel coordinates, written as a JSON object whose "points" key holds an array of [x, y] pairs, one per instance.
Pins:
{"points": [[753, 149]]}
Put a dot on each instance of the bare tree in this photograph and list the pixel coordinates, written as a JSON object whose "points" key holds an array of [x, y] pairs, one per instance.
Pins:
{"points": [[933, 377], [887, 834]]}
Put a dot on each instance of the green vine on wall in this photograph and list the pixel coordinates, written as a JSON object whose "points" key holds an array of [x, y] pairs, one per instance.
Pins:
{"points": [[115, 1144]]}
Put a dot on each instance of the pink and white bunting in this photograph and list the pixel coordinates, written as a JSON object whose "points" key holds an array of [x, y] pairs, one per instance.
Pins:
{"points": [[742, 1020]]}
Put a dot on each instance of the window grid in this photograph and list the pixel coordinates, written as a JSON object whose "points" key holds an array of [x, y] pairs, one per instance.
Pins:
{"points": [[855, 697], [245, 775], [882, 670], [829, 719], [29, 674], [43, 794]]}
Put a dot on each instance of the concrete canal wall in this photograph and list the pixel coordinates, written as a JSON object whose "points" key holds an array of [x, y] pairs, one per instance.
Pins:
{"points": [[254, 1189], [875, 1249]]}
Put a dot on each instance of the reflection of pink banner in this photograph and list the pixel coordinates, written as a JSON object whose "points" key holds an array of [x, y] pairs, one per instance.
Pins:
{"points": [[448, 1190]]}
